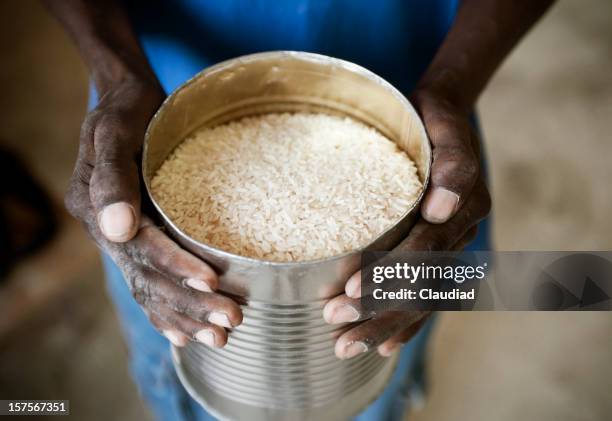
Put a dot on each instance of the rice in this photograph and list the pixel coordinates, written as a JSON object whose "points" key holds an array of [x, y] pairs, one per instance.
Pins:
{"points": [[286, 187]]}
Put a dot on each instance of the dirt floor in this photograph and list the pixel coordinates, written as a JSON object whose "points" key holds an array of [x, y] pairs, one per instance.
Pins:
{"points": [[546, 119]]}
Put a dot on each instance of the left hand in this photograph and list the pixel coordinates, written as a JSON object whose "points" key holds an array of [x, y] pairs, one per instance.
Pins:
{"points": [[456, 200]]}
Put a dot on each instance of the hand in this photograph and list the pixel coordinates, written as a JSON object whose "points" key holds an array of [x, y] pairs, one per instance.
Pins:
{"points": [[456, 200], [174, 288]]}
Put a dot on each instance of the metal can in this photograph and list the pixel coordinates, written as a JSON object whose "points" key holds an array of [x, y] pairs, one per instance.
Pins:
{"points": [[279, 364]]}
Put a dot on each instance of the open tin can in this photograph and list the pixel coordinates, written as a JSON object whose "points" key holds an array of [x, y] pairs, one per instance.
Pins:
{"points": [[279, 364]]}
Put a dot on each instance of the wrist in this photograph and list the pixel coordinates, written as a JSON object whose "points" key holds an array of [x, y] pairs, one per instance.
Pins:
{"points": [[445, 85], [111, 72], [111, 67], [131, 91], [434, 97]]}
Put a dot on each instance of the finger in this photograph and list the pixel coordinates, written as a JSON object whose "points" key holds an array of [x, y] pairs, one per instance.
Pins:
{"points": [[77, 199], [114, 184], [371, 333], [428, 236], [176, 337], [393, 344], [206, 333], [425, 236], [332, 315], [150, 289], [151, 247], [455, 165], [342, 309], [353, 285]]}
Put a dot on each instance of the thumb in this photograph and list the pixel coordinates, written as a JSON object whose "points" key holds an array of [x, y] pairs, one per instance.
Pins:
{"points": [[454, 170], [115, 184]]}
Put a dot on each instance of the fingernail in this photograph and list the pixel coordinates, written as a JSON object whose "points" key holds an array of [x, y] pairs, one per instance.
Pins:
{"points": [[117, 221], [440, 205], [219, 319], [353, 286], [206, 336], [387, 351], [355, 348], [177, 338], [345, 313], [198, 284]]}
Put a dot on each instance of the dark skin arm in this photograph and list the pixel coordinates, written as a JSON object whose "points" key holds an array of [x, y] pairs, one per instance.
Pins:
{"points": [[483, 34], [174, 288]]}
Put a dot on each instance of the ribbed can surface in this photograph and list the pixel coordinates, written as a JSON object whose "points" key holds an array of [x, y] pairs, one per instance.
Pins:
{"points": [[279, 364], [280, 357]]}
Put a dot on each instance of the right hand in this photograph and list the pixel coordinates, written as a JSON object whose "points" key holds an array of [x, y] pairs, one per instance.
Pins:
{"points": [[174, 288], [457, 199]]}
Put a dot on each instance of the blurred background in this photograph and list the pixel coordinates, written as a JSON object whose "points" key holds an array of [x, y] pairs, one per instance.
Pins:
{"points": [[547, 122]]}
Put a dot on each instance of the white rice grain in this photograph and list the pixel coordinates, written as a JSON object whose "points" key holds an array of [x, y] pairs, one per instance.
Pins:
{"points": [[286, 187]]}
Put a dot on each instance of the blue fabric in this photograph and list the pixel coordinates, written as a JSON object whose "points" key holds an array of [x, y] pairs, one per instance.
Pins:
{"points": [[396, 39]]}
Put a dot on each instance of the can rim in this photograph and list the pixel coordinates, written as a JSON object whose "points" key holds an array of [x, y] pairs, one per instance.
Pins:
{"points": [[292, 55]]}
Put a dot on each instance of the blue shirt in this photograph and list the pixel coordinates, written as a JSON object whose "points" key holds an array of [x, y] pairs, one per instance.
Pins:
{"points": [[396, 39]]}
